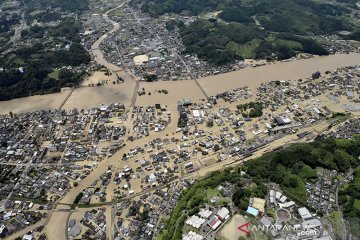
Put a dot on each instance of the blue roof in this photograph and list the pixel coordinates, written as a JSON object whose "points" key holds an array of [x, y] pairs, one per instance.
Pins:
{"points": [[252, 211]]}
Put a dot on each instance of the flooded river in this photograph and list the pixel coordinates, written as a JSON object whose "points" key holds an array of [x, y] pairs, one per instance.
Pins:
{"points": [[252, 77]]}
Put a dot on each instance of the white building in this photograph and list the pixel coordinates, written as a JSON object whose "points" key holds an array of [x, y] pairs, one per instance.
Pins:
{"points": [[304, 213]]}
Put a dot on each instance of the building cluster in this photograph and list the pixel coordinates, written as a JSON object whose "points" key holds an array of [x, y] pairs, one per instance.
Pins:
{"points": [[335, 43], [207, 222], [151, 118], [67, 145], [144, 217], [12, 221], [284, 219], [91, 225], [346, 131], [322, 194], [146, 48]]}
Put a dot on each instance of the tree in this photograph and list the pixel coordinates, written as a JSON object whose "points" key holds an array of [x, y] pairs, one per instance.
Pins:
{"points": [[293, 182]]}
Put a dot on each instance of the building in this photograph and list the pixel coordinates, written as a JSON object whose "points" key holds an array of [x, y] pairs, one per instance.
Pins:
{"points": [[204, 213], [316, 75], [272, 196], [304, 213], [265, 222], [214, 223], [282, 120], [311, 224], [27, 237], [350, 94], [184, 103], [195, 221], [192, 236], [223, 213], [287, 204]]}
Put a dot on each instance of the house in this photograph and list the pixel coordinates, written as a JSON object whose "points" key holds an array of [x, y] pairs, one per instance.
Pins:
{"points": [[3, 231], [316, 75], [75, 231], [27, 237], [350, 94]]}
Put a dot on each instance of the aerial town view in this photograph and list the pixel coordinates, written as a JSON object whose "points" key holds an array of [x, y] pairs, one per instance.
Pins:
{"points": [[189, 119]]}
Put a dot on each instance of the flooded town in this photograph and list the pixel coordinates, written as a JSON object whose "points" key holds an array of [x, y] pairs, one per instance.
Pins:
{"points": [[113, 157], [114, 160]]}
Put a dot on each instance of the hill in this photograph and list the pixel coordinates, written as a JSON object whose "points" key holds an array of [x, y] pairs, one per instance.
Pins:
{"points": [[266, 29]]}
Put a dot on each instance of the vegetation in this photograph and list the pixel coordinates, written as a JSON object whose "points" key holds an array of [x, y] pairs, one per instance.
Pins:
{"points": [[293, 166], [220, 43], [78, 197], [251, 109], [290, 168], [354, 35], [39, 68], [209, 40], [275, 35], [66, 5], [292, 16], [37, 64]]}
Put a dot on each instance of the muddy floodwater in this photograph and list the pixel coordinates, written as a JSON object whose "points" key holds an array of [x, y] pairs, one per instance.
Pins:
{"points": [[251, 77]]}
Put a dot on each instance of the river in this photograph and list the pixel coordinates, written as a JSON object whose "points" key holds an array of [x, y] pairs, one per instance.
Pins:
{"points": [[252, 77]]}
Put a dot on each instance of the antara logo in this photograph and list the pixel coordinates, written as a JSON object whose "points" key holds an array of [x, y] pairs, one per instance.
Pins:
{"points": [[244, 228]]}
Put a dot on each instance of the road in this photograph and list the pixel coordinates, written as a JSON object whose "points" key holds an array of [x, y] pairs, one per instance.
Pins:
{"points": [[18, 30]]}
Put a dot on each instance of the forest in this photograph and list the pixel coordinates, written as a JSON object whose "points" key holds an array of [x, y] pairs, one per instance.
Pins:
{"points": [[46, 63], [43, 63], [38, 66], [65, 5], [291, 16], [219, 43]]}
